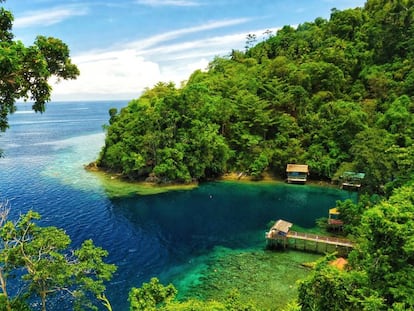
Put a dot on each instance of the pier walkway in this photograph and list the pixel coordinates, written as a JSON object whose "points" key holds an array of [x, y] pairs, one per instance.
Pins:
{"points": [[281, 233], [319, 238]]}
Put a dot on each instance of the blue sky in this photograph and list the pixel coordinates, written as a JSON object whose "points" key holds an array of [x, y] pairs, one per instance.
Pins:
{"points": [[123, 46]]}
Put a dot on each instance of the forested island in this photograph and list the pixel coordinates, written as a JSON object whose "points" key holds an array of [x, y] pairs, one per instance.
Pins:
{"points": [[335, 94]]}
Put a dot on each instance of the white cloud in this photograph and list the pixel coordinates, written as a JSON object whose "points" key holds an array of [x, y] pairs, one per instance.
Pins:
{"points": [[48, 17], [118, 74], [195, 48], [168, 2], [171, 35], [123, 72]]}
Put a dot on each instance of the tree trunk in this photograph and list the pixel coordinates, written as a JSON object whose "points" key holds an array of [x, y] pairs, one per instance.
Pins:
{"points": [[105, 301], [4, 289], [43, 297]]}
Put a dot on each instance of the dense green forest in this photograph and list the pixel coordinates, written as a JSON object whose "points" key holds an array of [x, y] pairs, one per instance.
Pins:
{"points": [[335, 94]]}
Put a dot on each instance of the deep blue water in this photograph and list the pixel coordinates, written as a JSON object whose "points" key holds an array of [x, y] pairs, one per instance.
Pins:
{"points": [[158, 235]]}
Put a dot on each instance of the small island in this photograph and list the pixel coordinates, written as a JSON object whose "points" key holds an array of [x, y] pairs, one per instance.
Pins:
{"points": [[330, 99]]}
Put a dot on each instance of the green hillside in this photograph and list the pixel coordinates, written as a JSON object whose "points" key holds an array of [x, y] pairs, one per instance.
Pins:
{"points": [[335, 94]]}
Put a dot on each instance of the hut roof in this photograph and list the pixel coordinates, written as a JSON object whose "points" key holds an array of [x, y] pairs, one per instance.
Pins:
{"points": [[334, 211], [339, 263], [282, 226], [353, 175], [301, 168]]}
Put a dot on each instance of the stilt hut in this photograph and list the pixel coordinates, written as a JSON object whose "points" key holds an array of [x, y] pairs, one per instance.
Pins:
{"points": [[339, 263], [281, 235], [333, 219], [279, 231], [351, 180], [297, 173]]}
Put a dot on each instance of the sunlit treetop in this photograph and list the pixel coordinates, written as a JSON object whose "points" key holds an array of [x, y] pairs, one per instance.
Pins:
{"points": [[25, 70]]}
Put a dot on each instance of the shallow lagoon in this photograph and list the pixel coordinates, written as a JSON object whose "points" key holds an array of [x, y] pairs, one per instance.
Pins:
{"points": [[193, 238]]}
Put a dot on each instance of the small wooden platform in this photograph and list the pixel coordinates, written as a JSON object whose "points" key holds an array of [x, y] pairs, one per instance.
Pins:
{"points": [[297, 173], [351, 180], [280, 234]]}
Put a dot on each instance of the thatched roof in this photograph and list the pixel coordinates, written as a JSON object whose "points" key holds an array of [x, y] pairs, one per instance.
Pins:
{"points": [[339, 263], [334, 211], [300, 168], [353, 175], [282, 226]]}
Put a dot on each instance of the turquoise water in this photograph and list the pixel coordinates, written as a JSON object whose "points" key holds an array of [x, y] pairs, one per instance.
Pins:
{"points": [[165, 235]]}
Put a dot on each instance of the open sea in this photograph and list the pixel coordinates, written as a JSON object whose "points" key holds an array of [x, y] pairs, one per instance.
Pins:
{"points": [[168, 235]]}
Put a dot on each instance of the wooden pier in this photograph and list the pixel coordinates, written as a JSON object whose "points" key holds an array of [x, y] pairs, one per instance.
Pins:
{"points": [[280, 234], [319, 239]]}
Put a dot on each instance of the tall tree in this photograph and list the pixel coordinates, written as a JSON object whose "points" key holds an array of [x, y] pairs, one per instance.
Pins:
{"points": [[329, 288], [371, 154], [40, 255], [25, 70]]}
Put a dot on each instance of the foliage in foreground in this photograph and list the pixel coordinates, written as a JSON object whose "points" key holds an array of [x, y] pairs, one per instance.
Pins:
{"points": [[381, 268], [154, 296], [40, 258]]}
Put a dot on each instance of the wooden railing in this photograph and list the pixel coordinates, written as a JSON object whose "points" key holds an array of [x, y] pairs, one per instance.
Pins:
{"points": [[319, 238]]}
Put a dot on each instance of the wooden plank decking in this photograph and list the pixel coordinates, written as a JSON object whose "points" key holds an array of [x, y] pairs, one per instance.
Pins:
{"points": [[319, 239]]}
